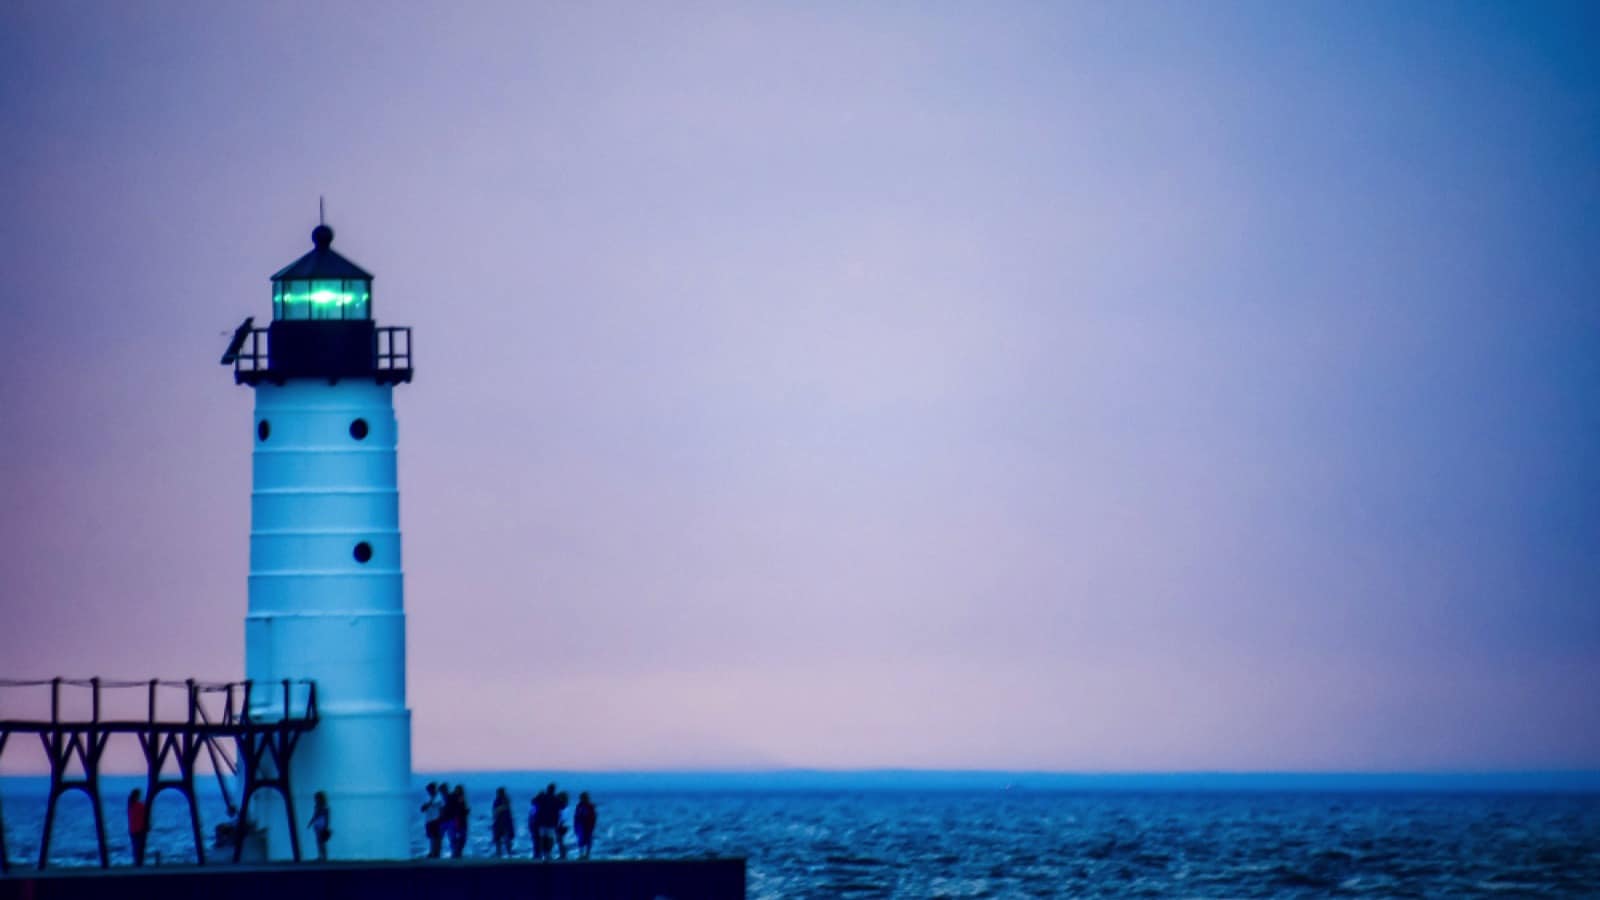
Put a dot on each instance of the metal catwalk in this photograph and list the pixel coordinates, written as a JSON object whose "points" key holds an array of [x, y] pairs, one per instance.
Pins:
{"points": [[261, 731]]}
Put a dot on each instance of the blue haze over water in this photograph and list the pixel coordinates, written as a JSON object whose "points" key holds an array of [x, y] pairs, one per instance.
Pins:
{"points": [[921, 834]]}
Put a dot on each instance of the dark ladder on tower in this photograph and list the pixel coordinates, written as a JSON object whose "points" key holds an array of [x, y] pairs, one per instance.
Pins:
{"points": [[263, 740]]}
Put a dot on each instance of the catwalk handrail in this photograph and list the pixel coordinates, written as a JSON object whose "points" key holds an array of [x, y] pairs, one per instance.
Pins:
{"points": [[238, 711], [391, 352]]}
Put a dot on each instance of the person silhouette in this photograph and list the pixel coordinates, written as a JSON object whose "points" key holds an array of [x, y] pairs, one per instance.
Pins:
{"points": [[321, 824], [456, 811], [432, 811], [504, 830], [546, 816], [138, 824], [584, 818]]}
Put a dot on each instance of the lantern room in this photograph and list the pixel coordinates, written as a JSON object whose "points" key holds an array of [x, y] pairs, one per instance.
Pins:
{"points": [[321, 285], [322, 326]]}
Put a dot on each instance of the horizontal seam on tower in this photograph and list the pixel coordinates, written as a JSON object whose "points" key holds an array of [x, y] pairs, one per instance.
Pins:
{"points": [[372, 528], [325, 614], [335, 490], [323, 449], [366, 572], [312, 532]]}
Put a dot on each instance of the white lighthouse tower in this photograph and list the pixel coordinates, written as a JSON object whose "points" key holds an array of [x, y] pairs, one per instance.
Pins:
{"points": [[326, 591]]}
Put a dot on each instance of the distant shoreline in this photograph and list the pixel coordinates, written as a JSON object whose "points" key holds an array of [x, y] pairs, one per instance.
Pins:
{"points": [[853, 780]]}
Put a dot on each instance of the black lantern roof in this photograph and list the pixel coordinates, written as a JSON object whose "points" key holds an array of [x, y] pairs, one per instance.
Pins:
{"points": [[322, 262]]}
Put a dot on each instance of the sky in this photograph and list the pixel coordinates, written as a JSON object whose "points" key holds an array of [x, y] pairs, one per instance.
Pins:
{"points": [[1050, 386]]}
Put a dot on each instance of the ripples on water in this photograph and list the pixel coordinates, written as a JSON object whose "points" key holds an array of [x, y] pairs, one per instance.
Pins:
{"points": [[1020, 844]]}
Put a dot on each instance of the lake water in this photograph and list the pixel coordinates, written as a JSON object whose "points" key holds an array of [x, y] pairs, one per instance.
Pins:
{"points": [[1033, 843]]}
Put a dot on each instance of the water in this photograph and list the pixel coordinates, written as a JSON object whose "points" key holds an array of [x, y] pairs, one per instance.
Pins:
{"points": [[950, 843]]}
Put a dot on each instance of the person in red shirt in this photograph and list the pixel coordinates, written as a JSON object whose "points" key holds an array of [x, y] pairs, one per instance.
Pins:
{"points": [[138, 824]]}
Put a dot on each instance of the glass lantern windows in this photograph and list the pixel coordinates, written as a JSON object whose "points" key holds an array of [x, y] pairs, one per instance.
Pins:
{"points": [[321, 298]]}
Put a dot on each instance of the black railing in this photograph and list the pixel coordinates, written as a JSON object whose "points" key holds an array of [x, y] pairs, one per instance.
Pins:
{"points": [[391, 356], [297, 704], [252, 357], [391, 350]]}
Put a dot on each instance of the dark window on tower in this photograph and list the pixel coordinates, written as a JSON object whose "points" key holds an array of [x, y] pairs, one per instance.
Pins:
{"points": [[363, 552], [263, 429], [358, 429]]}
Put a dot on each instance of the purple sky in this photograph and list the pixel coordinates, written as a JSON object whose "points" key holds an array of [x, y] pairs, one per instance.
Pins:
{"points": [[1102, 387]]}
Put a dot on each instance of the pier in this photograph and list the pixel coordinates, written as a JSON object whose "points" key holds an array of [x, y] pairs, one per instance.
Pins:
{"points": [[699, 879], [249, 735]]}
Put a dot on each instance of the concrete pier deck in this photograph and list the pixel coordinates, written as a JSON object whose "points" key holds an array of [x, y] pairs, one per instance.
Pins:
{"points": [[645, 879]]}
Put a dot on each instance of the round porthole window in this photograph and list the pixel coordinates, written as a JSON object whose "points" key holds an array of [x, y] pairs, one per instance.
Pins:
{"points": [[363, 552], [358, 429], [263, 428]]}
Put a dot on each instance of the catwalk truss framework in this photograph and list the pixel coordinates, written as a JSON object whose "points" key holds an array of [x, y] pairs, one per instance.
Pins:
{"points": [[263, 735]]}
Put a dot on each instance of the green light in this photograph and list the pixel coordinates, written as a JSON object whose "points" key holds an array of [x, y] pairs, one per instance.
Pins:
{"points": [[324, 298]]}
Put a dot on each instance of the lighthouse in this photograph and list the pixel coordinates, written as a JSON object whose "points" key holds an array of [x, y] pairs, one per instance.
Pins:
{"points": [[326, 593]]}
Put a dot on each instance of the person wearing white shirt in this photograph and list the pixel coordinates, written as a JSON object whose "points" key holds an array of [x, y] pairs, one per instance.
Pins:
{"points": [[432, 811]]}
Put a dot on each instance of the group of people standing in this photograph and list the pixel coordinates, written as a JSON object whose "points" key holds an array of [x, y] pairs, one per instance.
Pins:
{"points": [[445, 817]]}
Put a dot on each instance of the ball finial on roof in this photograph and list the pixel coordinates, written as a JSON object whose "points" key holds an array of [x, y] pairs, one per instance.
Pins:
{"points": [[321, 237]]}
